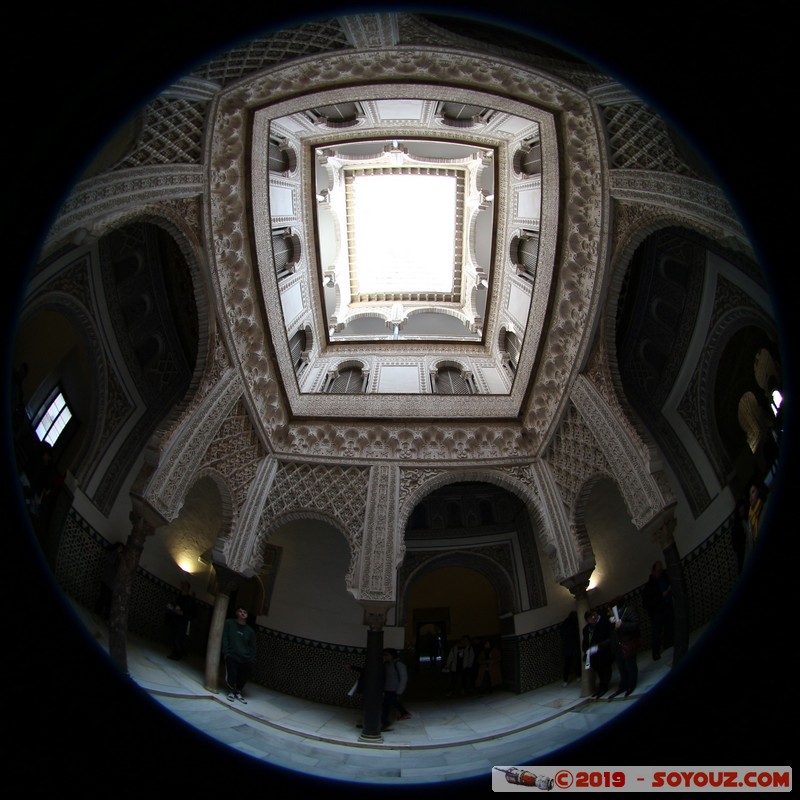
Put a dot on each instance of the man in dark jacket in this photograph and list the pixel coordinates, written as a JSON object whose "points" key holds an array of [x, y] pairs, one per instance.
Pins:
{"points": [[625, 635], [657, 602], [179, 616], [597, 644], [239, 653]]}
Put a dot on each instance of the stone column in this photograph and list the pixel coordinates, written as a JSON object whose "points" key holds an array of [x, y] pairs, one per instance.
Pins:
{"points": [[381, 550], [142, 527], [227, 581], [663, 535], [578, 585], [375, 619]]}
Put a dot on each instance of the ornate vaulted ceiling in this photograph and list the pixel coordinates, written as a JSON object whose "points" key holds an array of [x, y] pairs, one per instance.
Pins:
{"points": [[573, 249]]}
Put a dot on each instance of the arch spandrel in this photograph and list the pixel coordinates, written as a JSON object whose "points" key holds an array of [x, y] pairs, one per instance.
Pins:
{"points": [[330, 493]]}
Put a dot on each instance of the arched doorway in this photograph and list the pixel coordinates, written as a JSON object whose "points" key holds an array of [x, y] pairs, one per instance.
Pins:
{"points": [[443, 605]]}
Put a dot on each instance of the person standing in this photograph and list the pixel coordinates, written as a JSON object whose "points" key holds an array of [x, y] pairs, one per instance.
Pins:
{"points": [[490, 668], [657, 602], [756, 510], [108, 577], [597, 646], [625, 635], [570, 636], [179, 616], [394, 685], [740, 534], [238, 652], [459, 664]]}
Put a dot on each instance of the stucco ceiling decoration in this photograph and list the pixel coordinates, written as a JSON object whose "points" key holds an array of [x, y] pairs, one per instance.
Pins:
{"points": [[564, 308]]}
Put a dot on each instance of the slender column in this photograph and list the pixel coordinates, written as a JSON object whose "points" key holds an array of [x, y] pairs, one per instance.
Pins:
{"points": [[227, 581], [577, 586], [672, 563], [375, 618], [470, 381], [121, 596]]}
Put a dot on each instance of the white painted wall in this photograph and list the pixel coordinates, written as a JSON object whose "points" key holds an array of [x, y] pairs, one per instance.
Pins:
{"points": [[309, 598]]}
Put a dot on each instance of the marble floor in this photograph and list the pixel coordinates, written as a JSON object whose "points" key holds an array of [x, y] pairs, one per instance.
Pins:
{"points": [[451, 739]]}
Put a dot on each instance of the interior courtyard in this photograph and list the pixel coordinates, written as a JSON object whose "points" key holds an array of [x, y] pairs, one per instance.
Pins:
{"points": [[251, 383]]}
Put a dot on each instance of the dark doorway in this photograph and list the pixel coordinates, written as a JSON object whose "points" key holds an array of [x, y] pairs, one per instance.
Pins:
{"points": [[431, 640]]}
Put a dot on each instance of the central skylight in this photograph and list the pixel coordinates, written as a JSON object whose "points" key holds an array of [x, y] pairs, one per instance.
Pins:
{"points": [[404, 244], [404, 232]]}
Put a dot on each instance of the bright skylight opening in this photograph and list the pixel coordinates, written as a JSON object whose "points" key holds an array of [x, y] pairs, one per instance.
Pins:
{"points": [[54, 421], [404, 232]]}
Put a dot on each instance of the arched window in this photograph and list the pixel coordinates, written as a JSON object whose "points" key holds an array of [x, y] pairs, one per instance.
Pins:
{"points": [[283, 252], [297, 346], [52, 418], [511, 346], [149, 351], [524, 253], [451, 380], [528, 160], [529, 254], [338, 115], [348, 380], [461, 115], [278, 158]]}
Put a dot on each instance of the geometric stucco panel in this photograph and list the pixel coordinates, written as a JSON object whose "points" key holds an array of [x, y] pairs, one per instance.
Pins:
{"points": [[335, 494]]}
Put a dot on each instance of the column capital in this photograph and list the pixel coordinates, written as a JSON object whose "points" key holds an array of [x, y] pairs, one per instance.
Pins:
{"points": [[227, 580], [578, 584], [143, 514], [375, 613], [662, 528]]}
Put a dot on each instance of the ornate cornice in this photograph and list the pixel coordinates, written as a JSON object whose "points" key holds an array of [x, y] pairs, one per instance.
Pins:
{"points": [[702, 205], [112, 194]]}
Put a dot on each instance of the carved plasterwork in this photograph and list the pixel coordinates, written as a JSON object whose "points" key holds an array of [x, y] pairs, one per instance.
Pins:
{"points": [[598, 372], [579, 271], [101, 202], [371, 30], [182, 454], [318, 491], [691, 202], [638, 138], [239, 550], [235, 452], [575, 456], [382, 547], [532, 483], [566, 554], [624, 454]]}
